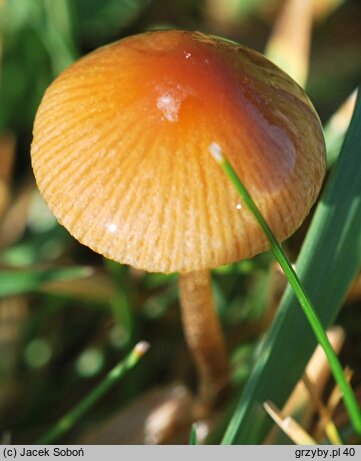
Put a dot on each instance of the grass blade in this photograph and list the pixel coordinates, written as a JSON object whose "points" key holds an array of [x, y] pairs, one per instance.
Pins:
{"points": [[25, 281], [193, 440], [302, 296], [289, 45], [329, 260], [336, 128], [68, 421], [289, 426]]}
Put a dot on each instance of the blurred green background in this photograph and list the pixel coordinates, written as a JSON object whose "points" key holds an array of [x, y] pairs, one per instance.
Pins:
{"points": [[66, 315]]}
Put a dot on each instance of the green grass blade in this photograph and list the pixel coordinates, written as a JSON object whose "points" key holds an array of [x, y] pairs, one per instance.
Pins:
{"points": [[299, 290], [329, 260], [25, 281], [71, 418], [193, 440]]}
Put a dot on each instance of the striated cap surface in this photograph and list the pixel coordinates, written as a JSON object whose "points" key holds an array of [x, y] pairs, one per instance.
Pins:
{"points": [[121, 150]]}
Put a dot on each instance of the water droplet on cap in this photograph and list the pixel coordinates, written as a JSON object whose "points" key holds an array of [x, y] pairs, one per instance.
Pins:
{"points": [[112, 228]]}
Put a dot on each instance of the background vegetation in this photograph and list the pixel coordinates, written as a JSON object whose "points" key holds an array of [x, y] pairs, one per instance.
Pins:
{"points": [[67, 316]]}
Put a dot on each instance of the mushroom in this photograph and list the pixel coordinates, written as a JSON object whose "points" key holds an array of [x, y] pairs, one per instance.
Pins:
{"points": [[121, 156]]}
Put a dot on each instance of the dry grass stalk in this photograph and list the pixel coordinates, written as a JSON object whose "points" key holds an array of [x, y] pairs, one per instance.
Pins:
{"points": [[289, 44], [329, 427], [318, 371], [289, 426]]}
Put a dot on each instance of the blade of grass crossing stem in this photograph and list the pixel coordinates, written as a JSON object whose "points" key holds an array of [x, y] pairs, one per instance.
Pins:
{"points": [[294, 281], [70, 419]]}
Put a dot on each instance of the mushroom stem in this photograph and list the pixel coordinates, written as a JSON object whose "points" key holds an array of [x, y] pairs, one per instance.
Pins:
{"points": [[203, 333]]}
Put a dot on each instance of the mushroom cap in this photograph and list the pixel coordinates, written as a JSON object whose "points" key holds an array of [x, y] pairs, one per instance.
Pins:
{"points": [[121, 150]]}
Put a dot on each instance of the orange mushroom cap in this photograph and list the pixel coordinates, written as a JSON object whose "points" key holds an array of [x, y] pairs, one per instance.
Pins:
{"points": [[121, 150]]}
